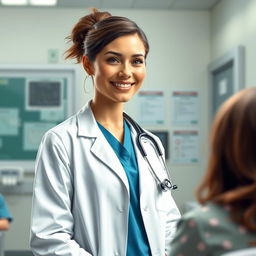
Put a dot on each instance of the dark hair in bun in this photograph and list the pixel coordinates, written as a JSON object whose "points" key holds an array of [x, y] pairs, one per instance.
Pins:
{"points": [[94, 31]]}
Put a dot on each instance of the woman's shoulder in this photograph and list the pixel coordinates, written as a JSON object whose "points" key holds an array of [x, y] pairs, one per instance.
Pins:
{"points": [[207, 216], [65, 125], [209, 228], [206, 211], [68, 127], [215, 219]]}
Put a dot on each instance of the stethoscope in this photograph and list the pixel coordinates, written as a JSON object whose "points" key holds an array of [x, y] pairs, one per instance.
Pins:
{"points": [[165, 184]]}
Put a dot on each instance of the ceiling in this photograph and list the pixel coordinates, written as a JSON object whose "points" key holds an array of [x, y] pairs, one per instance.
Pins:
{"points": [[140, 4]]}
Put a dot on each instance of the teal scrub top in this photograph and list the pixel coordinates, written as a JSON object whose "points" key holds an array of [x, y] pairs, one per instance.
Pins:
{"points": [[4, 211], [137, 243]]}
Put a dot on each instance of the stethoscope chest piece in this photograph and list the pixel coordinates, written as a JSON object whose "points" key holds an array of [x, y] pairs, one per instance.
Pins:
{"points": [[167, 185]]}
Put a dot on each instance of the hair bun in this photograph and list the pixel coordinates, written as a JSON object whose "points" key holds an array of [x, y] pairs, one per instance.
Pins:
{"points": [[96, 16], [80, 31]]}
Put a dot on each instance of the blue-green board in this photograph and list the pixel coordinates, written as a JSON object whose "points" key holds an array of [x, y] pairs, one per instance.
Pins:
{"points": [[22, 121]]}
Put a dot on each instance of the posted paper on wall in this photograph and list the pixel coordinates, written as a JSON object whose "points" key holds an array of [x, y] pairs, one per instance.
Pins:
{"points": [[9, 121], [185, 146], [185, 107], [33, 133], [151, 107]]}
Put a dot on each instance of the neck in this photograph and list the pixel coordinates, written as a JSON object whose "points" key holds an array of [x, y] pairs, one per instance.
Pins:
{"points": [[108, 114]]}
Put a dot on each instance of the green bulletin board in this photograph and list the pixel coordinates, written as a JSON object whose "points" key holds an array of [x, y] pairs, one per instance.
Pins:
{"points": [[29, 106]]}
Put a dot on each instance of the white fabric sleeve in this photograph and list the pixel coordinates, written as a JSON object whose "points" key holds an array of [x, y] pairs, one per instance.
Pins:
{"points": [[51, 216], [173, 216]]}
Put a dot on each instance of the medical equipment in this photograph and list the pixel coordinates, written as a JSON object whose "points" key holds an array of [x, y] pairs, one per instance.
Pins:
{"points": [[166, 184], [11, 176]]}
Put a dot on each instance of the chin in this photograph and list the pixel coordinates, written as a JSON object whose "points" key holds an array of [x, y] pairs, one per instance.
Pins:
{"points": [[125, 100]]}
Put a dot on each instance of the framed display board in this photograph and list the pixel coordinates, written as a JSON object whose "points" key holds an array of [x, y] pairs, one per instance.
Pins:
{"points": [[226, 77], [33, 99]]}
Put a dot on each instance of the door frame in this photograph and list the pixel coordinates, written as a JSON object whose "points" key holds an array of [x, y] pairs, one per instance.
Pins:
{"points": [[235, 56]]}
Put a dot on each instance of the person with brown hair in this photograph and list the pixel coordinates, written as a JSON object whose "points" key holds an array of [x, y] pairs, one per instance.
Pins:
{"points": [[227, 219], [94, 193]]}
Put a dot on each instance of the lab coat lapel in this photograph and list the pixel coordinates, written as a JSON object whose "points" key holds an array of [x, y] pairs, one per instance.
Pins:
{"points": [[103, 151], [87, 127]]}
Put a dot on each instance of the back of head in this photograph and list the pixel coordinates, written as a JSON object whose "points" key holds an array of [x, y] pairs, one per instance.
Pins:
{"points": [[80, 31], [231, 174], [94, 31]]}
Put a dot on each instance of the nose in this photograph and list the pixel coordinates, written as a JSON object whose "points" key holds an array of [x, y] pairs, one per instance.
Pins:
{"points": [[125, 71]]}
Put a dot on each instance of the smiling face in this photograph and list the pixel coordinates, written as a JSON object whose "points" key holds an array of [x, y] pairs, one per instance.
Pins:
{"points": [[118, 70]]}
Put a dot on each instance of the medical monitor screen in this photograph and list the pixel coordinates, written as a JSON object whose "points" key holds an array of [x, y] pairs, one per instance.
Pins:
{"points": [[164, 138], [44, 93]]}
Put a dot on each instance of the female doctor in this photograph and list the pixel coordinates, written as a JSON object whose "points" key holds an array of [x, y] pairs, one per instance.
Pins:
{"points": [[94, 193]]}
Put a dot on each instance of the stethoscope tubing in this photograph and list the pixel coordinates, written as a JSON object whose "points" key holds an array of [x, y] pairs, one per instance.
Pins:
{"points": [[166, 184]]}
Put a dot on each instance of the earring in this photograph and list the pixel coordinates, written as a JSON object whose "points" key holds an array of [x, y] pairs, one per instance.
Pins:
{"points": [[84, 85]]}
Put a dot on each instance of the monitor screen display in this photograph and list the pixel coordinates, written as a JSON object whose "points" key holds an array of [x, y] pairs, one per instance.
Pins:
{"points": [[163, 136], [44, 93]]}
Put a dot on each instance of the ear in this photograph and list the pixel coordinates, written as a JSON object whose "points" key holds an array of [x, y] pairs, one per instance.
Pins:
{"points": [[88, 66]]}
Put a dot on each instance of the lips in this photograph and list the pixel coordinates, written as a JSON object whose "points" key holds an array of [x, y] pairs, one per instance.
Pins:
{"points": [[122, 84]]}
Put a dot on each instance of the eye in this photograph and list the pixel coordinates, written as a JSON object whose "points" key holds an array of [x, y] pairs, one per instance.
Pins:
{"points": [[138, 61], [112, 60]]}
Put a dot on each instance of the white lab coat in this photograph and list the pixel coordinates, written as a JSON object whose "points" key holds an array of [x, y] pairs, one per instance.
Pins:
{"points": [[81, 195]]}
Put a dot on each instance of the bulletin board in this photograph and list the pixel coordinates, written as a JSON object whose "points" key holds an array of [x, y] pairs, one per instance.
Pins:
{"points": [[32, 100]]}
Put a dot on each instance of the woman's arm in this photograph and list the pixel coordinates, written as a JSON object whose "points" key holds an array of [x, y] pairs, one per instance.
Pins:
{"points": [[4, 224], [52, 220]]}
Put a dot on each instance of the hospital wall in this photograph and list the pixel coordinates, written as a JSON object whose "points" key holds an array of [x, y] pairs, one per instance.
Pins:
{"points": [[182, 44], [233, 23]]}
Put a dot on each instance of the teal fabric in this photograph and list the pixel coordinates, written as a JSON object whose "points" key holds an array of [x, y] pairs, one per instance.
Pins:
{"points": [[4, 211], [137, 243]]}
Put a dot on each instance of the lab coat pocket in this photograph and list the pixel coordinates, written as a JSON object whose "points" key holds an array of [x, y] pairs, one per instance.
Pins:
{"points": [[164, 202]]}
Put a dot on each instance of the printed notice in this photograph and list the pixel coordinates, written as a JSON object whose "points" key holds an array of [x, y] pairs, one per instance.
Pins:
{"points": [[52, 115], [223, 87], [151, 107], [9, 121], [185, 146], [185, 107], [33, 133]]}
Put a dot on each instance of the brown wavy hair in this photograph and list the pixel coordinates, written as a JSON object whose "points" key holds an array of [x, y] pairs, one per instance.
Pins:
{"points": [[94, 31], [231, 175]]}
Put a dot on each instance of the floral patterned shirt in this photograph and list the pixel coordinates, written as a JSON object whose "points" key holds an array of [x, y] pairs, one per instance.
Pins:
{"points": [[209, 231]]}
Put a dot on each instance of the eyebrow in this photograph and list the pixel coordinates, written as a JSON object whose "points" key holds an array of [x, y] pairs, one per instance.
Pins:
{"points": [[119, 54]]}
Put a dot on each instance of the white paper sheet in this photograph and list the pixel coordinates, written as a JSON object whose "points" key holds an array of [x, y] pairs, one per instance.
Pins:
{"points": [[185, 146], [33, 133], [9, 121], [151, 107], [185, 107]]}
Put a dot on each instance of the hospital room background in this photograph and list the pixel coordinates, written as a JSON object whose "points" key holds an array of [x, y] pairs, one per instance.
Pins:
{"points": [[187, 47]]}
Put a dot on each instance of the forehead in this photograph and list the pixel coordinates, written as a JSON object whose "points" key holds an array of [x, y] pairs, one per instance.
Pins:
{"points": [[128, 44]]}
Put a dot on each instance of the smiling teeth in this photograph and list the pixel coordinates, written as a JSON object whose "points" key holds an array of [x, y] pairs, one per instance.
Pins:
{"points": [[122, 85]]}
